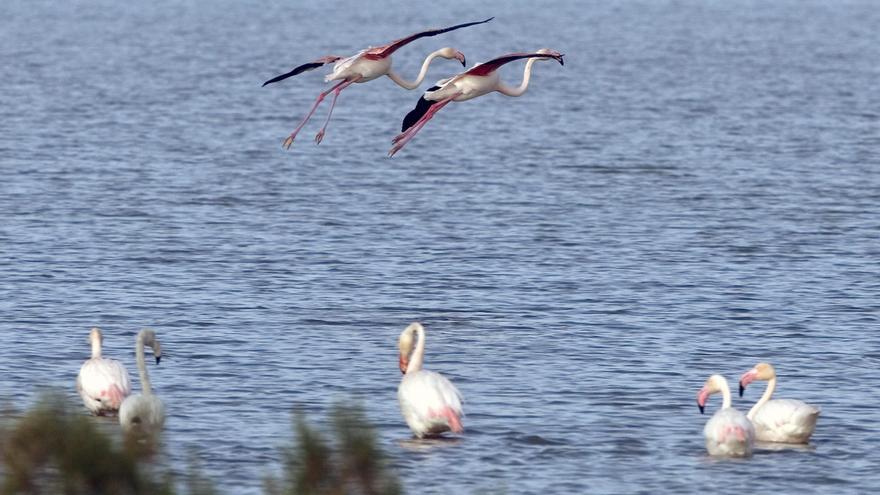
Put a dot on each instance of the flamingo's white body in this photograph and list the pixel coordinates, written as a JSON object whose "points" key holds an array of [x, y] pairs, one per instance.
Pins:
{"points": [[367, 65], [729, 433], [477, 81], [366, 69], [429, 402], [144, 412], [778, 420], [102, 382]]}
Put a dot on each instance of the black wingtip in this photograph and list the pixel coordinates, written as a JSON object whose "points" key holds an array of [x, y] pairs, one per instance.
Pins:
{"points": [[276, 79], [297, 70], [415, 114]]}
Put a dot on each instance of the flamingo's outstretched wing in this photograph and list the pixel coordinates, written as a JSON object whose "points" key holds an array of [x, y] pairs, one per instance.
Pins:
{"points": [[386, 50], [487, 68], [305, 67]]}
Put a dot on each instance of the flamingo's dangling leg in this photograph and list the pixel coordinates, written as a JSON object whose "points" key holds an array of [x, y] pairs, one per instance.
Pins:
{"points": [[320, 136], [404, 137], [448, 415], [454, 420], [421, 122], [289, 140]]}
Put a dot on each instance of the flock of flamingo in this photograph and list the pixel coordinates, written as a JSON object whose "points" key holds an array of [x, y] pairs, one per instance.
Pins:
{"points": [[374, 62], [730, 433], [431, 404], [105, 388]]}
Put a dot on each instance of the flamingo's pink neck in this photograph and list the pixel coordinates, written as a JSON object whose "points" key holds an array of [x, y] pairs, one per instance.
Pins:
{"points": [[768, 393], [422, 73], [96, 346], [524, 85], [417, 357], [725, 393]]}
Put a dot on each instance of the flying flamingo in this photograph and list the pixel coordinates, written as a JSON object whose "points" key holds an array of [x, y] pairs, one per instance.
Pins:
{"points": [[477, 81], [429, 402], [102, 382], [778, 420], [366, 65], [144, 412], [728, 432]]}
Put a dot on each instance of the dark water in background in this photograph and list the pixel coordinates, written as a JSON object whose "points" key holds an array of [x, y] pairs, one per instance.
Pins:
{"points": [[696, 190]]}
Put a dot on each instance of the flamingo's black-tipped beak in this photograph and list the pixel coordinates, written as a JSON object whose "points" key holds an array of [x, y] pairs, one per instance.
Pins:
{"points": [[158, 358], [460, 57], [702, 409], [741, 389], [561, 61]]}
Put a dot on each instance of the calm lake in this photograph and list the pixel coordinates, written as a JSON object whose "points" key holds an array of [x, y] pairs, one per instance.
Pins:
{"points": [[696, 190]]}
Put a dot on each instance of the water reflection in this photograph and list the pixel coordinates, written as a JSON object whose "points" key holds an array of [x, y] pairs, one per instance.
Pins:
{"points": [[428, 444], [771, 447]]}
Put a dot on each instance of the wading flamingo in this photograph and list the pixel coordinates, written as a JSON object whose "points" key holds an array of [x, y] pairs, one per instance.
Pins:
{"points": [[778, 420], [144, 412], [366, 65], [429, 402], [102, 382], [477, 81], [728, 432]]}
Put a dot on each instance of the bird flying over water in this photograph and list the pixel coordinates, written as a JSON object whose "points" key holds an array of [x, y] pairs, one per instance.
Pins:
{"points": [[366, 65], [477, 81]]}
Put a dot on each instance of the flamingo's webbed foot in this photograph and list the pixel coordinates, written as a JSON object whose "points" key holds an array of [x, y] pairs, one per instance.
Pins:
{"points": [[288, 142], [319, 136]]}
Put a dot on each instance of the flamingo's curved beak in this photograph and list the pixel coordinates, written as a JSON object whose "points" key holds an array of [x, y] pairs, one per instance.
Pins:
{"points": [[747, 378], [404, 362], [702, 397], [460, 57]]}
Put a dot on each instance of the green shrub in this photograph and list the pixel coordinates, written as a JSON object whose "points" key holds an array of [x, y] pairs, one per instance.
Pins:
{"points": [[52, 450], [355, 466]]}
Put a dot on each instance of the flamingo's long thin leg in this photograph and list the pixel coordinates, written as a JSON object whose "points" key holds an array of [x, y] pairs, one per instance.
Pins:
{"points": [[289, 140], [424, 118], [401, 139], [339, 88]]}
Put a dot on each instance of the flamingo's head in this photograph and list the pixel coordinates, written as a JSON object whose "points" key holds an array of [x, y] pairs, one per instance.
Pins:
{"points": [[406, 343], [148, 337], [452, 53], [712, 386], [761, 371], [157, 351], [552, 54]]}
